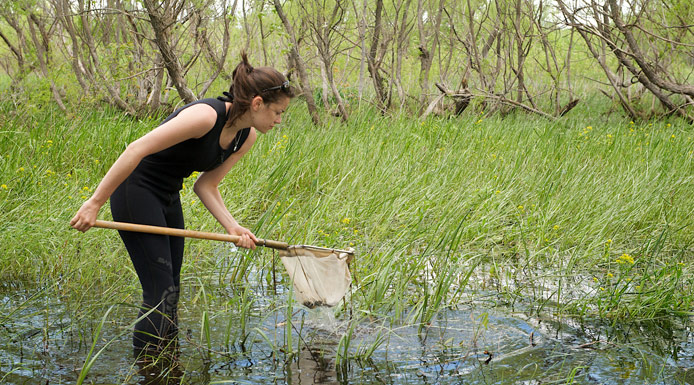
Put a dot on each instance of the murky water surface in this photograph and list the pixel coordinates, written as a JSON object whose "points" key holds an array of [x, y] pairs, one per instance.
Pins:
{"points": [[45, 340]]}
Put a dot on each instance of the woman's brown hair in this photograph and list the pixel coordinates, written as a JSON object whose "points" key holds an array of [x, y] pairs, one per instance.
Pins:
{"points": [[248, 82]]}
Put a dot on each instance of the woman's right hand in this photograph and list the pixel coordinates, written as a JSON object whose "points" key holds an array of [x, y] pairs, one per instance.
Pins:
{"points": [[86, 215], [247, 240]]}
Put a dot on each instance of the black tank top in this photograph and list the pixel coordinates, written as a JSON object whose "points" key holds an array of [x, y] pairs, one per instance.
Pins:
{"points": [[165, 170]]}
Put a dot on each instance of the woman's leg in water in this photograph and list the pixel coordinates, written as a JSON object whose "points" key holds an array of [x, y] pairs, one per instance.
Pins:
{"points": [[157, 260]]}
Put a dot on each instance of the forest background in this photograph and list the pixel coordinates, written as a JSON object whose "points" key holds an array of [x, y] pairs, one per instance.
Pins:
{"points": [[544, 57]]}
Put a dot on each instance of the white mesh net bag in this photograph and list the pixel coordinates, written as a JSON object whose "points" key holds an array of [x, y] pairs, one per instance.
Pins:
{"points": [[321, 276]]}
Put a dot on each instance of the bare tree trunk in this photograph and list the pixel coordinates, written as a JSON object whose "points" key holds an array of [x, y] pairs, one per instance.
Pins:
{"points": [[327, 34], [107, 82], [646, 69], [20, 44], [62, 8], [325, 83], [262, 35], [571, 20], [215, 63], [162, 17], [520, 52], [299, 62], [625, 60], [552, 67], [245, 26], [426, 52], [42, 58], [373, 64], [362, 26], [401, 40], [15, 50]]}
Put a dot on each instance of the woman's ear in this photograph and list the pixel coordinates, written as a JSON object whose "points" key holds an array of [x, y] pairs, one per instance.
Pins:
{"points": [[256, 103]]}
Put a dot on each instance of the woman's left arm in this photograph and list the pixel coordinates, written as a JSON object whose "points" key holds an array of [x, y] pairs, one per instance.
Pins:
{"points": [[207, 189]]}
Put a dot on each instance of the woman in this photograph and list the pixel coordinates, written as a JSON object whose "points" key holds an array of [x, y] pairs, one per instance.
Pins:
{"points": [[209, 135]]}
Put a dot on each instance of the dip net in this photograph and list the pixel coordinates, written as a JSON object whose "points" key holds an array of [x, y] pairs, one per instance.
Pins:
{"points": [[321, 276]]}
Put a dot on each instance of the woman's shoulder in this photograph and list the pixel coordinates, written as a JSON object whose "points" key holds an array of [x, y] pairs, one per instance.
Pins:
{"points": [[210, 109], [218, 105]]}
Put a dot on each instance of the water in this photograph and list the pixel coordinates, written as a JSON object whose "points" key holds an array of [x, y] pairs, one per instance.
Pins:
{"points": [[45, 339]]}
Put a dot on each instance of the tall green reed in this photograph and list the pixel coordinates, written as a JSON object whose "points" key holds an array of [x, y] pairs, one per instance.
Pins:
{"points": [[532, 193]]}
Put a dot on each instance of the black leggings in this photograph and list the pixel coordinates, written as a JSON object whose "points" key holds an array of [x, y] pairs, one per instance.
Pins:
{"points": [[157, 259]]}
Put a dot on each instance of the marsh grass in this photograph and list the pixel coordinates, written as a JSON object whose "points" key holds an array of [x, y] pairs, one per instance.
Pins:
{"points": [[439, 211]]}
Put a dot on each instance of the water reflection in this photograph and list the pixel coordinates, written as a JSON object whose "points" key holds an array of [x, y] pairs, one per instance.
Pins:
{"points": [[160, 373], [314, 363], [47, 341], [164, 368], [312, 366]]}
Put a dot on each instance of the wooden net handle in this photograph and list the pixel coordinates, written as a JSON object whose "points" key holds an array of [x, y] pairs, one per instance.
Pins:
{"points": [[185, 233]]}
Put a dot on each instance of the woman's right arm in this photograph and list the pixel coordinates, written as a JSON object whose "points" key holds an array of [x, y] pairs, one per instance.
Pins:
{"points": [[193, 122]]}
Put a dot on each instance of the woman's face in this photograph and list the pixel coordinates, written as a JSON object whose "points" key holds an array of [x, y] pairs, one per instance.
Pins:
{"points": [[268, 114]]}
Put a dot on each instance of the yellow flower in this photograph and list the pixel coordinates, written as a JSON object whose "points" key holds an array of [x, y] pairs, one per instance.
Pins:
{"points": [[609, 275], [498, 192], [625, 258], [556, 227], [669, 124], [521, 208], [608, 241], [345, 221], [595, 279], [21, 169], [4, 187]]}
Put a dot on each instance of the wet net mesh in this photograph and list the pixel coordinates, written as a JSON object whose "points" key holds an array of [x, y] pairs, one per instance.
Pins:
{"points": [[321, 276]]}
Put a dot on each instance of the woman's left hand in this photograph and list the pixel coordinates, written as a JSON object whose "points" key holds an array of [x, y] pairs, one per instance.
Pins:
{"points": [[247, 240]]}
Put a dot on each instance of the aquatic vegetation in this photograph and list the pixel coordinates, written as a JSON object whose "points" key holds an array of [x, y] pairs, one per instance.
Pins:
{"points": [[577, 221]]}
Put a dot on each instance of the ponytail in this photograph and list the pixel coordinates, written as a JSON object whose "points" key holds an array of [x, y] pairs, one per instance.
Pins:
{"points": [[248, 82]]}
